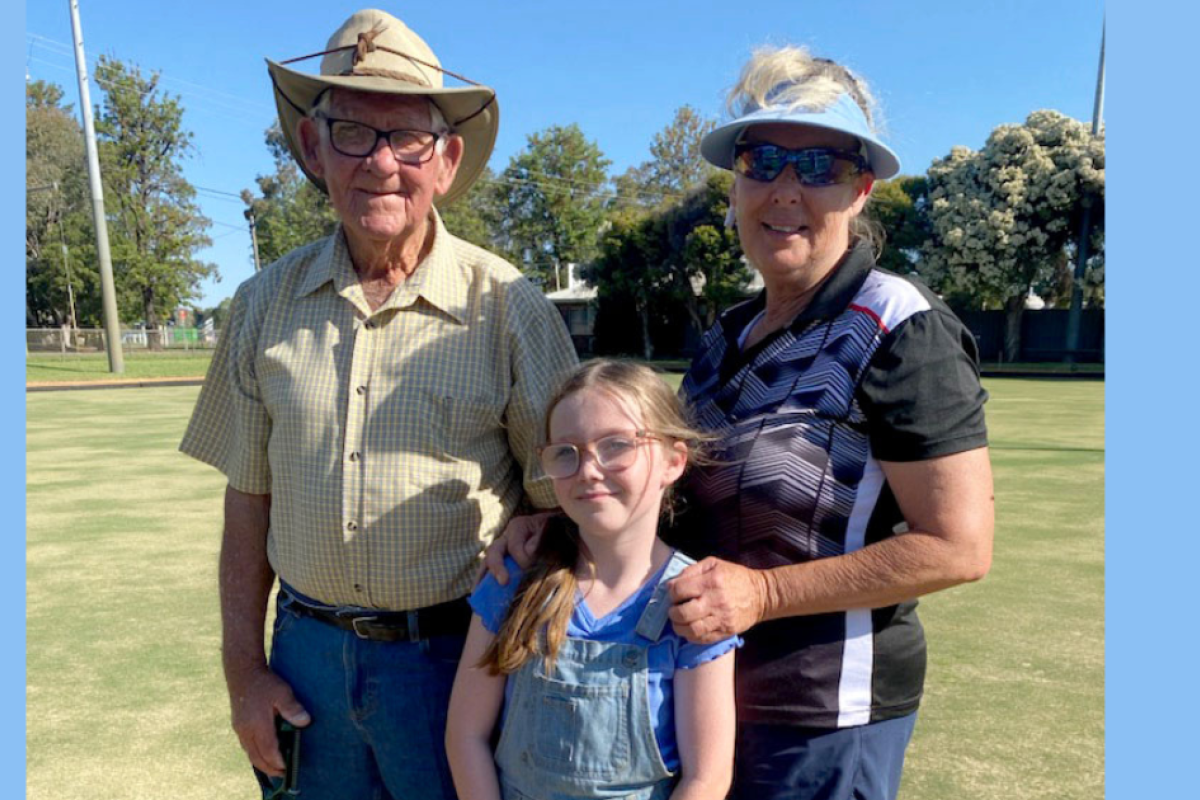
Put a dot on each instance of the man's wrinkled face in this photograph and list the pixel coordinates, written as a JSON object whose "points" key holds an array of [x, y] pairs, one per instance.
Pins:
{"points": [[378, 197]]}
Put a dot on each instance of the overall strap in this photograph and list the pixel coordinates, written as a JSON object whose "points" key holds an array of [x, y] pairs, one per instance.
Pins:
{"points": [[654, 618]]}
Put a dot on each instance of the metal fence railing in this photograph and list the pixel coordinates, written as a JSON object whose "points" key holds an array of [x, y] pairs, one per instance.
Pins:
{"points": [[95, 340]]}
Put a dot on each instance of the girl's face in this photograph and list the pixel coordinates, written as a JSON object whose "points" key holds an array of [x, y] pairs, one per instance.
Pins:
{"points": [[608, 502]]}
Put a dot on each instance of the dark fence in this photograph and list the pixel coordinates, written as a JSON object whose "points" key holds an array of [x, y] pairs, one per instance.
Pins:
{"points": [[617, 330], [1043, 334]]}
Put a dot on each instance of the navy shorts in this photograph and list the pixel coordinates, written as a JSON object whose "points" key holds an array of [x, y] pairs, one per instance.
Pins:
{"points": [[781, 762]]}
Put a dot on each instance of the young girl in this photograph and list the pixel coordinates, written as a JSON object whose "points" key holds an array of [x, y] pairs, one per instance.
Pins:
{"points": [[600, 697]]}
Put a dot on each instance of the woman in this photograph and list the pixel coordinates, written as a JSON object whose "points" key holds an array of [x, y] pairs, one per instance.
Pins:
{"points": [[855, 475]]}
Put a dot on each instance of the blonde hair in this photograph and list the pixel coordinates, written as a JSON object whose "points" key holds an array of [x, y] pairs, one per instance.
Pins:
{"points": [[791, 76], [536, 621]]}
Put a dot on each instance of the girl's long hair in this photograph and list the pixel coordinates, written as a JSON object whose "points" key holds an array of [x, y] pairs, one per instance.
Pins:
{"points": [[536, 620]]}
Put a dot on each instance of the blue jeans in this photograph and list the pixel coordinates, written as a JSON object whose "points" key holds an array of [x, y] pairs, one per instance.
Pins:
{"points": [[778, 762], [378, 710]]}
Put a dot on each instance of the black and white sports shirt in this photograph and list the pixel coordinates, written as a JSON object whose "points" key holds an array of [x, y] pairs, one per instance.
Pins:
{"points": [[876, 368]]}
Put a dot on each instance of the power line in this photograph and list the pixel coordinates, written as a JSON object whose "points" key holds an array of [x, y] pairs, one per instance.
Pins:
{"points": [[224, 113], [217, 191], [65, 49]]}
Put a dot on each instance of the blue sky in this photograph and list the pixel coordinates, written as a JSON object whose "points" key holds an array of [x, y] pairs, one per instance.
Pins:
{"points": [[946, 73]]}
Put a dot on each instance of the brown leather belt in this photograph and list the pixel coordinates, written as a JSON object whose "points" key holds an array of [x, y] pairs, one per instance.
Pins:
{"points": [[445, 619]]}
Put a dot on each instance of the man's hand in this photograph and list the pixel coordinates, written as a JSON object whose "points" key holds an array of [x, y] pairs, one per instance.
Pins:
{"points": [[255, 703], [715, 599], [519, 540]]}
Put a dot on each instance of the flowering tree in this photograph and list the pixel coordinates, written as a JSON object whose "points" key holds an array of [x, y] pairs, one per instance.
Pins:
{"points": [[1005, 219]]}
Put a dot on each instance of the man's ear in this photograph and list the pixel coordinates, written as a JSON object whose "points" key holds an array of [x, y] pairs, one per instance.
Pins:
{"points": [[309, 136], [451, 159]]}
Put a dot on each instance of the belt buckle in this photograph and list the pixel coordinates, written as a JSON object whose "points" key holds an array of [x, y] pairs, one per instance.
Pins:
{"points": [[354, 622]]}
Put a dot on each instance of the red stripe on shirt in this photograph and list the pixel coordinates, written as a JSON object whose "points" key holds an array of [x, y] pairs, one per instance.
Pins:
{"points": [[872, 315]]}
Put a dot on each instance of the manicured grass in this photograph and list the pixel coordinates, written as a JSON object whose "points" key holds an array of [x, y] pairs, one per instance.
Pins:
{"points": [[72, 368], [125, 697]]}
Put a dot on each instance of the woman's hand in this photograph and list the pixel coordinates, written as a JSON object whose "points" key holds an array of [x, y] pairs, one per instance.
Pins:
{"points": [[716, 599]]}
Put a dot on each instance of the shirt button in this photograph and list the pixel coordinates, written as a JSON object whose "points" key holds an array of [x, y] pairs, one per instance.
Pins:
{"points": [[354, 456], [358, 587], [369, 324], [361, 390], [351, 526]]}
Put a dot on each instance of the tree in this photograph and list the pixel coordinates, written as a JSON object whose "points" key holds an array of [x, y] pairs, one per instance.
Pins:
{"points": [[59, 256], [705, 261], [630, 269], [476, 215], [290, 211], [1003, 219], [551, 203], [681, 255], [900, 206], [675, 165], [155, 226]]}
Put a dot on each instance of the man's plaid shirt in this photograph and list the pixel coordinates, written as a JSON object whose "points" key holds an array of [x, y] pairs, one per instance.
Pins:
{"points": [[394, 444]]}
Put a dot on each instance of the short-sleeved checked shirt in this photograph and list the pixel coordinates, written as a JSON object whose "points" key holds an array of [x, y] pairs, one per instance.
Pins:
{"points": [[393, 443]]}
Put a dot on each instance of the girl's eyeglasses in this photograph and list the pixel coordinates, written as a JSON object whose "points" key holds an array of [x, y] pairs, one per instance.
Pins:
{"points": [[562, 459], [815, 166]]}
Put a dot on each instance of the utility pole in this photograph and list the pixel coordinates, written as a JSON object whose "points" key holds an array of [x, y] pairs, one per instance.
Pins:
{"points": [[1075, 315], [253, 238], [112, 324]]}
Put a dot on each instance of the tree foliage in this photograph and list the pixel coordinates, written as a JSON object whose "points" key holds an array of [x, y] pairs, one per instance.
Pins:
{"points": [[1005, 219], [680, 255], [476, 215], [155, 225], [289, 211], [57, 214], [675, 165], [900, 207], [551, 204]]}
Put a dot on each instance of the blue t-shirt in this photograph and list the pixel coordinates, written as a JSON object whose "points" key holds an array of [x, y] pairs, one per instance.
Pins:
{"points": [[490, 601]]}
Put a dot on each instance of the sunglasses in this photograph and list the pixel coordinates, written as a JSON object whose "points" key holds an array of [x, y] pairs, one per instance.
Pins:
{"points": [[357, 140], [815, 166], [563, 459]]}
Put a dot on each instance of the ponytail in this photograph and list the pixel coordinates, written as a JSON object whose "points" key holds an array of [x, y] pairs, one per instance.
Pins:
{"points": [[537, 617]]}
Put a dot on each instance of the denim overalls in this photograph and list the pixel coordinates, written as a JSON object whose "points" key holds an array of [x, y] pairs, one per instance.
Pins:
{"points": [[584, 728]]}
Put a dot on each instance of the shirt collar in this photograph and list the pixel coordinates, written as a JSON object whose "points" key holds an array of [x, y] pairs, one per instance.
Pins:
{"points": [[830, 299], [440, 279], [835, 294]]}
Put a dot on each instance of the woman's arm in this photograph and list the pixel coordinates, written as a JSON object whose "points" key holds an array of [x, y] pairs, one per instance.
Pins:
{"points": [[704, 728], [474, 708], [950, 509]]}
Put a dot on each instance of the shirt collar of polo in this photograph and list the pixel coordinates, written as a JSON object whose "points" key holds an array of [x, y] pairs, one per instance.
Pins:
{"points": [[831, 297], [840, 287], [439, 278]]}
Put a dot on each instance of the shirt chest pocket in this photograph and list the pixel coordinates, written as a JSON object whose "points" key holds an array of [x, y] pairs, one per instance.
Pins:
{"points": [[443, 420]]}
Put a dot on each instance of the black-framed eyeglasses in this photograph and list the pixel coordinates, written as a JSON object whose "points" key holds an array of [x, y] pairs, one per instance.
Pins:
{"points": [[357, 140], [815, 166], [563, 459]]}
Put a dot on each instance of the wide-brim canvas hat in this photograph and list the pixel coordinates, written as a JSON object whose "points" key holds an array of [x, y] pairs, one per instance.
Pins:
{"points": [[375, 52], [843, 114]]}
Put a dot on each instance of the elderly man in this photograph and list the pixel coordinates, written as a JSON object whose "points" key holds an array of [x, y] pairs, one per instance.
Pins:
{"points": [[374, 402]]}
